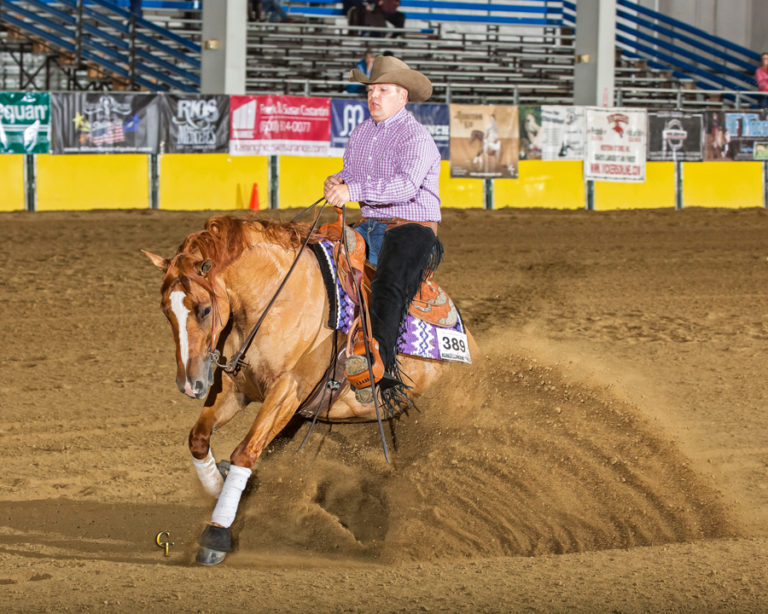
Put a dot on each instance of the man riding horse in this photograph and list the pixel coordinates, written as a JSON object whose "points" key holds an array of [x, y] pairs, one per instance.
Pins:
{"points": [[392, 168]]}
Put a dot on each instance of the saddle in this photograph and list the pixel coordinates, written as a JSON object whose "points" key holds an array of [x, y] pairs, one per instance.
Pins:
{"points": [[431, 304]]}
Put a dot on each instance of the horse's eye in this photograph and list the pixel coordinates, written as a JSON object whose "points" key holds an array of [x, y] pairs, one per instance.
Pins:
{"points": [[204, 311]]}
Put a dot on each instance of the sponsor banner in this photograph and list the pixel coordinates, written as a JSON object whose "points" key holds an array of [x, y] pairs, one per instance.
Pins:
{"points": [[531, 133], [25, 122], [675, 135], [100, 122], [735, 135], [194, 124], [279, 125], [485, 140], [434, 117], [616, 144], [565, 132], [346, 115]]}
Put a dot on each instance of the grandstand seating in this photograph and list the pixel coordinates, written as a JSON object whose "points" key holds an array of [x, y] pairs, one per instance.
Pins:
{"points": [[473, 51]]}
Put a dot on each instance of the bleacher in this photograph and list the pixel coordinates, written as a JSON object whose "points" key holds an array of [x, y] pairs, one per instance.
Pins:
{"points": [[473, 51]]}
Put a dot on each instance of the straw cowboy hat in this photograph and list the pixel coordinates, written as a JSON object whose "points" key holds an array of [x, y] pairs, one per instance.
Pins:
{"points": [[388, 69]]}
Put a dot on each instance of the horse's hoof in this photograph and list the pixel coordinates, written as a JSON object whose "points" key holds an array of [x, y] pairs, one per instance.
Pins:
{"points": [[214, 542], [223, 467], [206, 556]]}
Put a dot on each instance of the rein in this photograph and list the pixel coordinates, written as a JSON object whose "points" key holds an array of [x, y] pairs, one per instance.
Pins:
{"points": [[236, 362]]}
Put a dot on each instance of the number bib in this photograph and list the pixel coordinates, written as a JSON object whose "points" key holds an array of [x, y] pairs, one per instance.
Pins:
{"points": [[453, 345]]}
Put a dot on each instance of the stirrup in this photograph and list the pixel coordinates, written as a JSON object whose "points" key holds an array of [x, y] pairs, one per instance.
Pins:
{"points": [[358, 374]]}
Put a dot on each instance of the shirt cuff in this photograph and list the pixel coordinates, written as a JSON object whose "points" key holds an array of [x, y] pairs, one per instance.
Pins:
{"points": [[355, 191]]}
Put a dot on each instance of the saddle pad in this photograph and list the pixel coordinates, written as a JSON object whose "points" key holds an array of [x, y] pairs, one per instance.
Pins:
{"points": [[415, 338]]}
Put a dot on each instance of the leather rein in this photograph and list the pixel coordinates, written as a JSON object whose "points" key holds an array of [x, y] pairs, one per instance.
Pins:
{"points": [[237, 362]]}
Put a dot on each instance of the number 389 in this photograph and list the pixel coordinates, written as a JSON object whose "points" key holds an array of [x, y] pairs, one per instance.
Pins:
{"points": [[454, 344]]}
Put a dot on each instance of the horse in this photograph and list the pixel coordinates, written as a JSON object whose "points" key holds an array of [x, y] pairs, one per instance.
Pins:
{"points": [[221, 282], [487, 146]]}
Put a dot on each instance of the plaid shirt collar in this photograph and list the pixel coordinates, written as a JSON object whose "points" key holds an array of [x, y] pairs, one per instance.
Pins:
{"points": [[392, 121]]}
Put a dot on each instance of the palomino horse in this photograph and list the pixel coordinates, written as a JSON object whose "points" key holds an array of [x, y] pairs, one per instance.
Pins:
{"points": [[220, 283]]}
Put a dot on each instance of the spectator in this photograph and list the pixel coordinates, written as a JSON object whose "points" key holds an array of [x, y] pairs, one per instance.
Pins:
{"points": [[363, 66], [761, 76], [135, 8], [354, 11], [392, 15], [274, 11]]}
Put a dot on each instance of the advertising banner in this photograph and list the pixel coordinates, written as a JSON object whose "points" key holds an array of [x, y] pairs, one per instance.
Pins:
{"points": [[736, 135], [616, 144], [675, 135], [346, 115], [25, 122], [100, 122], [531, 133], [485, 141], [279, 125], [434, 117], [565, 132], [194, 124]]}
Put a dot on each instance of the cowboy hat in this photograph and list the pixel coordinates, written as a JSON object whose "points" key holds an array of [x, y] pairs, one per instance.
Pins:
{"points": [[388, 69]]}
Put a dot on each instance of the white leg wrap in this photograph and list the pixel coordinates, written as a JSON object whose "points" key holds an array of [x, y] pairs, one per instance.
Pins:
{"points": [[209, 474], [226, 508]]}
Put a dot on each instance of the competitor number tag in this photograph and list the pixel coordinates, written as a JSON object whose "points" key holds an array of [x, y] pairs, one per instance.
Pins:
{"points": [[453, 345]]}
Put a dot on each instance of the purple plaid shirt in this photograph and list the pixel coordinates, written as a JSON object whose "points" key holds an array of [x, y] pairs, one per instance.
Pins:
{"points": [[392, 169]]}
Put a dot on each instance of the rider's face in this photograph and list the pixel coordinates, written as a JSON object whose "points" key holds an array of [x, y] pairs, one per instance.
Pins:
{"points": [[385, 99]]}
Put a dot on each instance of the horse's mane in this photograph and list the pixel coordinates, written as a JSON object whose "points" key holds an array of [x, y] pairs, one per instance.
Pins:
{"points": [[222, 242]]}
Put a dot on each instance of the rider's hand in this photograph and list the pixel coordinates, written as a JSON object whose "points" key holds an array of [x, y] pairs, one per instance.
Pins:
{"points": [[331, 181], [337, 194]]}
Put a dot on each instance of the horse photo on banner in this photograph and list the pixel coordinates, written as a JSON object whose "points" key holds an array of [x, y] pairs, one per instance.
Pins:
{"points": [[485, 141], [194, 124], [531, 132], [564, 131], [101, 122], [25, 122], [616, 144], [279, 125]]}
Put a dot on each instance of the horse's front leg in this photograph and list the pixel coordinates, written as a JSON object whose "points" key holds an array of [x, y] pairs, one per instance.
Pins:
{"points": [[280, 404], [220, 407]]}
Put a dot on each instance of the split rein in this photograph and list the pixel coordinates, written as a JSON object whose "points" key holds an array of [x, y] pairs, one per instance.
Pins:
{"points": [[237, 362]]}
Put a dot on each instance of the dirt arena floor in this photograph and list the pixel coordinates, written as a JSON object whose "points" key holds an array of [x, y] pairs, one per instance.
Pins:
{"points": [[607, 452]]}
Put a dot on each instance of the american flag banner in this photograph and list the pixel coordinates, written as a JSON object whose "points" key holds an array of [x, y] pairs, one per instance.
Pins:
{"points": [[105, 122], [108, 133]]}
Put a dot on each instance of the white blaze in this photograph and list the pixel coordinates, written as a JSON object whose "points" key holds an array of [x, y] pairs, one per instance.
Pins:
{"points": [[181, 313]]}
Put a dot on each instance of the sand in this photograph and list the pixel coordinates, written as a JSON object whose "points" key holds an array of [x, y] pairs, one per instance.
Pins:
{"points": [[606, 452]]}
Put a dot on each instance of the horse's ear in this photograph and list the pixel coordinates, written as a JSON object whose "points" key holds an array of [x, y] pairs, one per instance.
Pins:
{"points": [[158, 261], [205, 267]]}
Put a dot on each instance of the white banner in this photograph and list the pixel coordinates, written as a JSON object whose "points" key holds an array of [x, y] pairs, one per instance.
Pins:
{"points": [[616, 144], [564, 132]]}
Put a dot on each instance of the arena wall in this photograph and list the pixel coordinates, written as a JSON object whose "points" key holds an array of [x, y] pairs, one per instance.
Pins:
{"points": [[223, 182]]}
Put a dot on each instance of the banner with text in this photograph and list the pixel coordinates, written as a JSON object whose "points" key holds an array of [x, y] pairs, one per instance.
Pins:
{"points": [[99, 122], [675, 135], [25, 122], [279, 125], [434, 117], [616, 144], [485, 141], [194, 124], [346, 115], [564, 132]]}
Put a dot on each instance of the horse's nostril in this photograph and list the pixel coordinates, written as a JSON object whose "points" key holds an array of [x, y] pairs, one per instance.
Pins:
{"points": [[199, 386]]}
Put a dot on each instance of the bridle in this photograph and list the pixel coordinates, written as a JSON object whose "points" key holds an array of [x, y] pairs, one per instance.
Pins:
{"points": [[236, 362]]}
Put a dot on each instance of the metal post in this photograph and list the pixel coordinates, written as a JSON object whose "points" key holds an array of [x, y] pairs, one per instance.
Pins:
{"points": [[488, 193], [274, 182], [590, 196], [515, 96], [154, 181], [448, 93], [30, 182], [765, 184], [79, 34], [132, 52], [678, 185], [738, 101]]}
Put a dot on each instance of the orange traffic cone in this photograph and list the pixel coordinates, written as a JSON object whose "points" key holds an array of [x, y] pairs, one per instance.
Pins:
{"points": [[254, 204]]}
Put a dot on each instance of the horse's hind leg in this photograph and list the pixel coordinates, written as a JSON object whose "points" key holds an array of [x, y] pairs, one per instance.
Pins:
{"points": [[220, 407]]}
